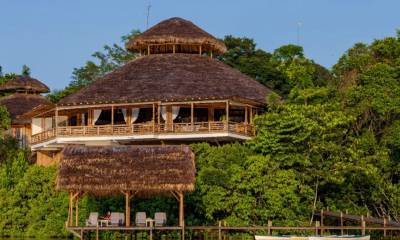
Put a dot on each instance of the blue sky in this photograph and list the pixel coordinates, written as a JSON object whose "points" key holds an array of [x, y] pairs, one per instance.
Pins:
{"points": [[54, 36]]}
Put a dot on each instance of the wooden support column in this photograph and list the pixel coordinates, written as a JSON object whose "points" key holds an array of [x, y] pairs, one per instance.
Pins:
{"points": [[56, 120], [200, 50], [154, 116], [112, 115], [148, 49], [210, 114], [251, 115], [227, 111], [76, 211], [384, 226], [181, 210], [168, 120], [192, 115], [246, 115], [70, 214], [173, 49], [128, 208], [159, 115]]}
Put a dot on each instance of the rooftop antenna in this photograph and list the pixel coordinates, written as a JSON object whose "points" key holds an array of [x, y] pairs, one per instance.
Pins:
{"points": [[148, 15], [299, 24]]}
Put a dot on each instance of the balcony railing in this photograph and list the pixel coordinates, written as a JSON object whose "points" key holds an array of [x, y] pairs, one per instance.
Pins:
{"points": [[144, 129]]}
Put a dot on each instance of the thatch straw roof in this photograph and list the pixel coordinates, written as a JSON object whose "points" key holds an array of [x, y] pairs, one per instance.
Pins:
{"points": [[18, 104], [176, 31], [24, 84], [144, 170], [170, 77]]}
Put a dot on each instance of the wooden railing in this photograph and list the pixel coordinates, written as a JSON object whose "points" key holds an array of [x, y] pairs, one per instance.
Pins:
{"points": [[145, 128]]}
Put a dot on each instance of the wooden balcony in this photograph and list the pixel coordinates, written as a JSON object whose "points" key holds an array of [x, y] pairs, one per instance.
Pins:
{"points": [[243, 129]]}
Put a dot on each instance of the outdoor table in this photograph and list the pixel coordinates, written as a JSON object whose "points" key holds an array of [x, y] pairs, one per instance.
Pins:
{"points": [[104, 222], [149, 222]]}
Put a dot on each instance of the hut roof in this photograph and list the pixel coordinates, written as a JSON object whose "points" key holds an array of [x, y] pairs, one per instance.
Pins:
{"points": [[18, 104], [108, 170], [24, 83], [170, 77], [176, 31]]}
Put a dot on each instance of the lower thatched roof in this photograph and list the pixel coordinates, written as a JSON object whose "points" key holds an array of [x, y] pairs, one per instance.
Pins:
{"points": [[18, 104], [144, 170]]}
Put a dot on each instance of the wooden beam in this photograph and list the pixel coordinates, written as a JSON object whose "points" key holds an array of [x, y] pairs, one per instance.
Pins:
{"points": [[175, 195]]}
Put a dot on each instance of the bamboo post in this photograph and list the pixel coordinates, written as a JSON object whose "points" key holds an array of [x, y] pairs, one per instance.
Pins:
{"points": [[148, 49], [269, 227], [200, 50], [341, 222], [173, 49], [251, 115]]}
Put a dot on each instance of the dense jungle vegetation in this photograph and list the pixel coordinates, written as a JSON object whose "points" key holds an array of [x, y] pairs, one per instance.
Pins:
{"points": [[330, 138]]}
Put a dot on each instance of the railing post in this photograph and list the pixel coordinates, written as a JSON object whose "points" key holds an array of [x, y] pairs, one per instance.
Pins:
{"points": [[384, 226], [269, 227], [341, 222], [362, 225], [317, 225]]}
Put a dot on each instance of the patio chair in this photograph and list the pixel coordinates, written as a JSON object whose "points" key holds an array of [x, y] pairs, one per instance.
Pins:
{"points": [[160, 219], [140, 219], [93, 219], [117, 219]]}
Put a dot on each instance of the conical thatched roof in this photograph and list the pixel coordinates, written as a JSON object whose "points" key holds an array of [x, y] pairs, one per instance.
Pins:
{"points": [[170, 77], [18, 104], [176, 31], [144, 170], [24, 84]]}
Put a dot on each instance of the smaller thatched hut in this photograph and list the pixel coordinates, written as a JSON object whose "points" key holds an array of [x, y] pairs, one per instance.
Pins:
{"points": [[132, 170], [25, 84]]}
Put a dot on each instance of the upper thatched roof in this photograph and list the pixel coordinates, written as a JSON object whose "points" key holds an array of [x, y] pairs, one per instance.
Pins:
{"points": [[176, 31], [170, 77], [18, 104], [144, 170], [24, 84]]}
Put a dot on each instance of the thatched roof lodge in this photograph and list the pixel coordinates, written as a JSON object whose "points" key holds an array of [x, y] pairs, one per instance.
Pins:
{"points": [[22, 96], [135, 171], [24, 84], [176, 91]]}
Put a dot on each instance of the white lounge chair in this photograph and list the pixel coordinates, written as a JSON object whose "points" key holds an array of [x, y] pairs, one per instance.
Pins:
{"points": [[140, 219], [93, 219], [160, 219], [117, 219]]}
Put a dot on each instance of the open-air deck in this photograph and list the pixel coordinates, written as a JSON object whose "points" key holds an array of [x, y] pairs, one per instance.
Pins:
{"points": [[218, 120], [150, 131]]}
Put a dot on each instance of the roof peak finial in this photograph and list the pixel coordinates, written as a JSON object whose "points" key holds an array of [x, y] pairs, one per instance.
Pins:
{"points": [[148, 15]]}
